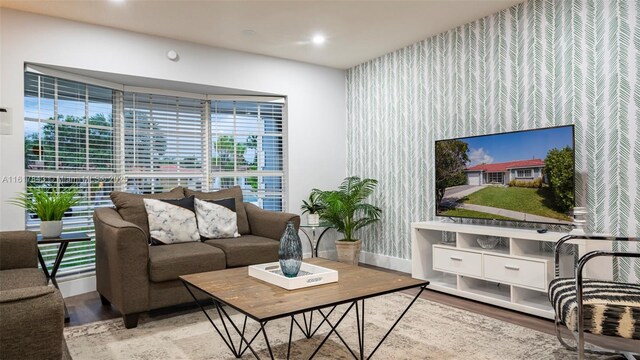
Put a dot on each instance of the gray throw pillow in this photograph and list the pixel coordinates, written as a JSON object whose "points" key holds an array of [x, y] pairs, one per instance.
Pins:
{"points": [[215, 221], [170, 224]]}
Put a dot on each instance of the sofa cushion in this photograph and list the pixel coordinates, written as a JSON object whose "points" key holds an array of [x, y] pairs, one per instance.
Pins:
{"points": [[21, 278], [171, 222], [170, 261], [233, 192], [131, 206], [247, 250], [216, 221]]}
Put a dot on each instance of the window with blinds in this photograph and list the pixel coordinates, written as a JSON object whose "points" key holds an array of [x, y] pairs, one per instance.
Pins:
{"points": [[69, 141], [247, 149], [164, 139], [102, 139]]}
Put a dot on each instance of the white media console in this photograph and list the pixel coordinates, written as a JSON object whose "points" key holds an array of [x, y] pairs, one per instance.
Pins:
{"points": [[515, 274]]}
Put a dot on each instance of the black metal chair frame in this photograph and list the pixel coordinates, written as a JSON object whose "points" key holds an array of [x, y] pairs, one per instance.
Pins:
{"points": [[579, 289]]}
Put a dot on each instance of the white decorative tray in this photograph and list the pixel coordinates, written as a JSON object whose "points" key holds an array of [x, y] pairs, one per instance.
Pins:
{"points": [[309, 275]]}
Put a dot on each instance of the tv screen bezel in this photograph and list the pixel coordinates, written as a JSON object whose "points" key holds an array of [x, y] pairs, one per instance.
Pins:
{"points": [[573, 144]]}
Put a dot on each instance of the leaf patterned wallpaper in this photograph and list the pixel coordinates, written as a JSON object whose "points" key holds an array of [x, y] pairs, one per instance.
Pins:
{"points": [[537, 64]]}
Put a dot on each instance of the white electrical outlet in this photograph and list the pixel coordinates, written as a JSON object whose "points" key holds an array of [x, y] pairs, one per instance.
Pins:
{"points": [[6, 121]]}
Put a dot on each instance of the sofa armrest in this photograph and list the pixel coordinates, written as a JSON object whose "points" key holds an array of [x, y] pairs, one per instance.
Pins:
{"points": [[32, 323], [122, 255], [269, 224], [18, 249]]}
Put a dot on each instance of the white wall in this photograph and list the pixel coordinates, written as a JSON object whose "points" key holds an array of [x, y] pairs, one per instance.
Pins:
{"points": [[316, 95]]}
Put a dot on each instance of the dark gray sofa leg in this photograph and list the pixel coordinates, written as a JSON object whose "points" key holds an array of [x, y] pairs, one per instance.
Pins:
{"points": [[104, 301], [130, 320]]}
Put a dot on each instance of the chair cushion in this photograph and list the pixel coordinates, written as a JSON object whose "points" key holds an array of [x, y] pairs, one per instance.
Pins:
{"points": [[233, 192], [21, 278], [247, 250], [610, 308], [167, 262], [131, 206]]}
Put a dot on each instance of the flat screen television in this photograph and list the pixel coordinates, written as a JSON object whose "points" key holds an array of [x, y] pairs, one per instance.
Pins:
{"points": [[513, 176]]}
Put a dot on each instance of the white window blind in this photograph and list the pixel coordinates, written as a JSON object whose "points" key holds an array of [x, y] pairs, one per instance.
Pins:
{"points": [[164, 138], [100, 139], [247, 149], [69, 141]]}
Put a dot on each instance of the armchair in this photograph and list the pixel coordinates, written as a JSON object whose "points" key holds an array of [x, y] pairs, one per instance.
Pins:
{"points": [[32, 313], [597, 307]]}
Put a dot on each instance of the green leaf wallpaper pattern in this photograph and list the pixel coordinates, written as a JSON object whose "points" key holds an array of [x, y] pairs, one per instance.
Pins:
{"points": [[540, 63]]}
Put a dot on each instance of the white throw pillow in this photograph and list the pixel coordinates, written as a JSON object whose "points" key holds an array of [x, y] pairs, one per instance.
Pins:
{"points": [[170, 223], [215, 221]]}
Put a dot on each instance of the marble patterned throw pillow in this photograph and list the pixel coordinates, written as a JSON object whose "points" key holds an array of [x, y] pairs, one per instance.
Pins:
{"points": [[215, 221], [169, 223]]}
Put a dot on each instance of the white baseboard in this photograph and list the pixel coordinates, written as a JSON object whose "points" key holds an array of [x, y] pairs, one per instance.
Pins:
{"points": [[77, 286], [387, 262]]}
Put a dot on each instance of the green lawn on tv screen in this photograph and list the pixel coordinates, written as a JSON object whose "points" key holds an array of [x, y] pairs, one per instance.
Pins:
{"points": [[526, 200]]}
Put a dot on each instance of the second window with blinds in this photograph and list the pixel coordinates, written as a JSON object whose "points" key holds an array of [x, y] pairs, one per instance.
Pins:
{"points": [[205, 145], [99, 139]]}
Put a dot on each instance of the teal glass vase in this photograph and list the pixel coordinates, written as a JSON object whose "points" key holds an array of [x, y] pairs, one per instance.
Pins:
{"points": [[290, 252]]}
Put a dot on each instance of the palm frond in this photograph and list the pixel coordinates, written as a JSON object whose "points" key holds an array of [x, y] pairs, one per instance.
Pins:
{"points": [[345, 209]]}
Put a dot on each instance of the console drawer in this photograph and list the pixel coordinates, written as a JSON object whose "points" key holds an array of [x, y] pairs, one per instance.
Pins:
{"points": [[457, 261], [508, 270]]}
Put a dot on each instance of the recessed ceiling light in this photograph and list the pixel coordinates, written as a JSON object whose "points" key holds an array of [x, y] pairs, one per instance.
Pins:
{"points": [[319, 39]]}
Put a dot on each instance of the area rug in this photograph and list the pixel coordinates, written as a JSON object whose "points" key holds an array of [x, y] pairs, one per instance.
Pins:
{"points": [[428, 331]]}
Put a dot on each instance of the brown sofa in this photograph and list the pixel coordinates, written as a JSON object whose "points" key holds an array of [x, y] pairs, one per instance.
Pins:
{"points": [[31, 313], [136, 277]]}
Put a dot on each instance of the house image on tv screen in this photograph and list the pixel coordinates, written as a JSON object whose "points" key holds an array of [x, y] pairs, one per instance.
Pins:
{"points": [[505, 172]]}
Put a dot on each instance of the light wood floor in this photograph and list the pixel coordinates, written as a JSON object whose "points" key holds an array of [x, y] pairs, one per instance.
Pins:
{"points": [[86, 308]]}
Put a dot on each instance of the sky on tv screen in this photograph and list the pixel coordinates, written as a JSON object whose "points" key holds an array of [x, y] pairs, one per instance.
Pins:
{"points": [[517, 146]]}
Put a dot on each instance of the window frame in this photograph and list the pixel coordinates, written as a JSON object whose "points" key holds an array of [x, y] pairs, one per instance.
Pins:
{"points": [[497, 176], [528, 173], [118, 172]]}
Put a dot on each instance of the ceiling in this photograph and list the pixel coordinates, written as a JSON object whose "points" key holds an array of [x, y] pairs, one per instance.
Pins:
{"points": [[356, 30]]}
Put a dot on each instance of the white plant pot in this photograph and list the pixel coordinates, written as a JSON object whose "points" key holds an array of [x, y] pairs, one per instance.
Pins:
{"points": [[51, 229], [313, 219]]}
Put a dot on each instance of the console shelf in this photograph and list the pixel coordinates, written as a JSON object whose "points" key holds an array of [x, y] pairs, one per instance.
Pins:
{"points": [[515, 274]]}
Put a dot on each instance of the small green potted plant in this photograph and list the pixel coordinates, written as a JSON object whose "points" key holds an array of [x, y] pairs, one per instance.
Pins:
{"points": [[346, 211], [312, 208], [49, 205]]}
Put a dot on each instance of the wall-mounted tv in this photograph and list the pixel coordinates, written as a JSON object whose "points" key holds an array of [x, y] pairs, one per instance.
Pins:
{"points": [[513, 176]]}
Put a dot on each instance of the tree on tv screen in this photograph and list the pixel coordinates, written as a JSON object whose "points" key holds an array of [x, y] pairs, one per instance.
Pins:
{"points": [[558, 167], [451, 160]]}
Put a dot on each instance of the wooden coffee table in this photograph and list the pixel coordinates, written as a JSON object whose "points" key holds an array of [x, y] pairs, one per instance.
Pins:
{"points": [[264, 302]]}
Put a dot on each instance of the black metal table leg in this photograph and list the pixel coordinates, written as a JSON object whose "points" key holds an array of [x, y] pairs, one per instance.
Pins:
{"points": [[314, 247], [360, 315], [397, 321], [358, 305], [51, 276], [333, 329], [229, 341]]}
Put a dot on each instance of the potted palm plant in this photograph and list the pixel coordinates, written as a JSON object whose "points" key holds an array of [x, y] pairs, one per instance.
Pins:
{"points": [[49, 205], [312, 207], [346, 211]]}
